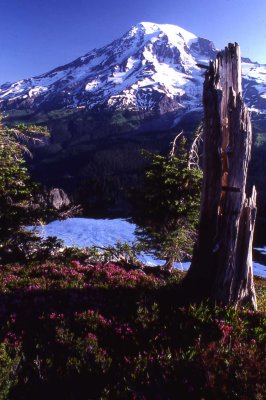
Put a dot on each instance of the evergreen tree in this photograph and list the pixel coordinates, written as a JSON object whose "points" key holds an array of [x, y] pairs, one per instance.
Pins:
{"points": [[167, 206], [16, 189]]}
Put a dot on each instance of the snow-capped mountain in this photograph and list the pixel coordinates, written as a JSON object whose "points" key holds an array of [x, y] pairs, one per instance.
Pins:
{"points": [[151, 67], [254, 86], [105, 106]]}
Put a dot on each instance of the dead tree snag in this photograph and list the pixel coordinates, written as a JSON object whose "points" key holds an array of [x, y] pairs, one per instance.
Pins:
{"points": [[222, 261]]}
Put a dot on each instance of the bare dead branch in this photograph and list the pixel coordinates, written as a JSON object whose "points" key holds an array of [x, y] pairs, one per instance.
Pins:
{"points": [[173, 148], [193, 156]]}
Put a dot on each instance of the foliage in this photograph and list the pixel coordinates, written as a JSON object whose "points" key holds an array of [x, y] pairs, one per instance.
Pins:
{"points": [[9, 361], [167, 206], [80, 331], [53, 249], [52, 275], [121, 252], [17, 191]]}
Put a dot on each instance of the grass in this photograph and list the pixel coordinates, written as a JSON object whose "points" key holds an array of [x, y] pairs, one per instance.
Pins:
{"points": [[260, 284]]}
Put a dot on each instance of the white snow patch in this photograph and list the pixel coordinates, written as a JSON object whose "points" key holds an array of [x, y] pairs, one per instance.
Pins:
{"points": [[84, 232], [47, 79], [254, 71], [173, 32], [92, 85], [259, 269], [37, 90], [262, 250]]}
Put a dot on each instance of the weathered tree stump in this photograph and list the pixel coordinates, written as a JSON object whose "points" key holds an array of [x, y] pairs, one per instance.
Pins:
{"points": [[221, 268]]}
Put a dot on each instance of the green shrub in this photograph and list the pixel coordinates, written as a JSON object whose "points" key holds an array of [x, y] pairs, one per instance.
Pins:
{"points": [[9, 363]]}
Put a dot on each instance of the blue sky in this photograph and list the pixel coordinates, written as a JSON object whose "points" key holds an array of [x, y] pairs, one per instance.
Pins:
{"points": [[38, 35]]}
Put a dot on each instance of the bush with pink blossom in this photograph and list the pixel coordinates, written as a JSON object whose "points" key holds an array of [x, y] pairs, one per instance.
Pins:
{"points": [[100, 331]]}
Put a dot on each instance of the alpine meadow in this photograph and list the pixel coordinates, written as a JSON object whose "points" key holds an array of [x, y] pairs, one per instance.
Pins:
{"points": [[132, 202]]}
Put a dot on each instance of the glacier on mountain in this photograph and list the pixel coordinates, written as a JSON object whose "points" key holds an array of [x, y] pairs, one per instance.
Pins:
{"points": [[149, 58], [149, 64]]}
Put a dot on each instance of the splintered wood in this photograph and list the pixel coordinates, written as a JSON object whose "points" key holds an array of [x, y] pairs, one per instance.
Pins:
{"points": [[222, 260]]}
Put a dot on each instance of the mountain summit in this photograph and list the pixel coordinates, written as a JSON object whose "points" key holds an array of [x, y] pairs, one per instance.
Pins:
{"points": [[153, 67], [148, 66]]}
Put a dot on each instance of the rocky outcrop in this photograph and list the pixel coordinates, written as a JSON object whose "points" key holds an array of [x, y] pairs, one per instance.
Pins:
{"points": [[58, 199]]}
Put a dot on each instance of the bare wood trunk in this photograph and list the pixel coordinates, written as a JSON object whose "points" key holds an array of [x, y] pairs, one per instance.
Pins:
{"points": [[222, 261]]}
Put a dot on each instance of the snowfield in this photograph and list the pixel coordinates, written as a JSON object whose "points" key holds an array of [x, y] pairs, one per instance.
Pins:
{"points": [[84, 232], [149, 63]]}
